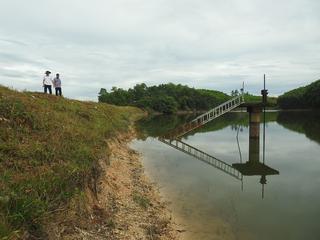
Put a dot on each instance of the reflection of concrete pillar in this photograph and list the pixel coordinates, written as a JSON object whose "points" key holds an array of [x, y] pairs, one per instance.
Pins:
{"points": [[254, 150], [254, 121]]}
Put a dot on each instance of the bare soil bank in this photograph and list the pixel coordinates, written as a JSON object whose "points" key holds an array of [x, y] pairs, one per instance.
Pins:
{"points": [[123, 205]]}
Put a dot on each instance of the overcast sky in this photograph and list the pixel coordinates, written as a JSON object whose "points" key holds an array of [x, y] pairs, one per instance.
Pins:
{"points": [[215, 44]]}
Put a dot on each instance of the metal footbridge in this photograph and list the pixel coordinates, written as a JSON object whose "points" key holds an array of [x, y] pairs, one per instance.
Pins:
{"points": [[173, 138], [206, 117]]}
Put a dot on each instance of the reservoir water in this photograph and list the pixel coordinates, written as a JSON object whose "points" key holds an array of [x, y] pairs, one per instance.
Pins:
{"points": [[208, 203]]}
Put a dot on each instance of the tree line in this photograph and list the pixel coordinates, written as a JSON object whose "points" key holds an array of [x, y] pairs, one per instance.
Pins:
{"points": [[164, 98], [302, 97]]}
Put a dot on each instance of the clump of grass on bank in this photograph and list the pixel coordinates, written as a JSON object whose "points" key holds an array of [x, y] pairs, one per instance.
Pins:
{"points": [[141, 200], [49, 147]]}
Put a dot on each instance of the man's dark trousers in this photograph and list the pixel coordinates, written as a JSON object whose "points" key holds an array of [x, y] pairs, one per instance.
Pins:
{"points": [[58, 91], [47, 87]]}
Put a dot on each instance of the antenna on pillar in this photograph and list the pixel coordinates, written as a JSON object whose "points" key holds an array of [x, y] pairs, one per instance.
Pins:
{"points": [[242, 91], [264, 93]]}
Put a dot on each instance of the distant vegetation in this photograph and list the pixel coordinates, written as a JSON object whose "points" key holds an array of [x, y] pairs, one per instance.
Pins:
{"points": [[164, 98], [302, 97], [169, 98], [49, 151], [272, 101]]}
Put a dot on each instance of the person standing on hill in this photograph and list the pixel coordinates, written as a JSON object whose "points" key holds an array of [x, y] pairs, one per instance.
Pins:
{"points": [[57, 84], [47, 82]]}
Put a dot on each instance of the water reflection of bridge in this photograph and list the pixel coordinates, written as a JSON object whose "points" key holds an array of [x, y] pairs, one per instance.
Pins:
{"points": [[205, 157], [253, 167]]}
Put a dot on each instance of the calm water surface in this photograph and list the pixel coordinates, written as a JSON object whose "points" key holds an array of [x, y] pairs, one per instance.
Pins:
{"points": [[210, 204]]}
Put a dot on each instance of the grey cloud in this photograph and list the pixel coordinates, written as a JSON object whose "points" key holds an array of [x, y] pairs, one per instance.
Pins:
{"points": [[17, 58], [209, 44], [11, 41]]}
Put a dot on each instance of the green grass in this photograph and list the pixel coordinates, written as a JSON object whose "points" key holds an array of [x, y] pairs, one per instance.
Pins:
{"points": [[271, 101], [49, 148], [141, 200]]}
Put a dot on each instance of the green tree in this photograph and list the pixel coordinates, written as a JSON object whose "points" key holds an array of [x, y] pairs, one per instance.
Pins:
{"points": [[302, 97], [165, 98]]}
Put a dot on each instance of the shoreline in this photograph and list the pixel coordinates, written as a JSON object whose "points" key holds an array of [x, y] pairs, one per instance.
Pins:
{"points": [[141, 213], [126, 205]]}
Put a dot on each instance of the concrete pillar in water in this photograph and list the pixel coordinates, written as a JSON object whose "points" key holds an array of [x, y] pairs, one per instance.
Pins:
{"points": [[254, 121], [254, 133]]}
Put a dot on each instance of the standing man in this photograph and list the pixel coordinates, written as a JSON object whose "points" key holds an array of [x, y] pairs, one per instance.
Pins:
{"points": [[57, 84], [47, 82]]}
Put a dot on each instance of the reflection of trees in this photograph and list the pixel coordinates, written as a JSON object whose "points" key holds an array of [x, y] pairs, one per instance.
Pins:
{"points": [[306, 122], [159, 125], [229, 119], [232, 119], [235, 127]]}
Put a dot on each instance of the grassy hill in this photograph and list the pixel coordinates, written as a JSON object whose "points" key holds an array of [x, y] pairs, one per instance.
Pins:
{"points": [[302, 97], [49, 148]]}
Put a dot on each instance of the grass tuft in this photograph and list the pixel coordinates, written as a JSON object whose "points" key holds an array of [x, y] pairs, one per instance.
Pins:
{"points": [[141, 200]]}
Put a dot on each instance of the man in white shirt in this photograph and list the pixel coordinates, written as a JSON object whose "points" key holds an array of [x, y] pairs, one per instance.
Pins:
{"points": [[47, 82]]}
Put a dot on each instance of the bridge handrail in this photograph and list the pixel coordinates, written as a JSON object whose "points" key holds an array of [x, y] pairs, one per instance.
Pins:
{"points": [[219, 106], [207, 116]]}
